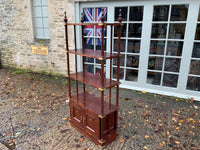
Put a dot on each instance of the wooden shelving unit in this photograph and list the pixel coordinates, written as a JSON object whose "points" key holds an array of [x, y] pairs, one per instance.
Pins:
{"points": [[90, 114]]}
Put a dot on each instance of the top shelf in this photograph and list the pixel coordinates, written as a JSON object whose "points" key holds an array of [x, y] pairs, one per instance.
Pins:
{"points": [[97, 24], [93, 54]]}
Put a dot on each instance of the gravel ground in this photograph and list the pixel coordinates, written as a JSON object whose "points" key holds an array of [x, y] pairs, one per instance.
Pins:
{"points": [[34, 115]]}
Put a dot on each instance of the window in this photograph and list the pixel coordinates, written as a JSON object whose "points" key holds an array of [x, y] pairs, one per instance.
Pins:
{"points": [[193, 82], [40, 19], [167, 39], [92, 36], [132, 18]]}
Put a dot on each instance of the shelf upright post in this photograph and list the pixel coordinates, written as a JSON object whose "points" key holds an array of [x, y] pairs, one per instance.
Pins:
{"points": [[118, 59], [83, 58], [67, 53], [111, 38], [75, 46], [102, 61]]}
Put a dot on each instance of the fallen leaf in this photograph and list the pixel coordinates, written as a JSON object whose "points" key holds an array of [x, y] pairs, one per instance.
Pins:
{"points": [[64, 118], [180, 121], [147, 137], [11, 144], [18, 133], [177, 142], [133, 137], [11, 141]]}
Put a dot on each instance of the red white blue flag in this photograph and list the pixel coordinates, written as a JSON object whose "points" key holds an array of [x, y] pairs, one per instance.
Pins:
{"points": [[94, 15]]}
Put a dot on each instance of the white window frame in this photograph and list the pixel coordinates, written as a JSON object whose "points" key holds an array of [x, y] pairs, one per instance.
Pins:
{"points": [[40, 19], [190, 30]]}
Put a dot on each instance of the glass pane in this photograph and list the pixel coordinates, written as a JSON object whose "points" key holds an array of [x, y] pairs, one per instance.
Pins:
{"points": [[98, 12], [122, 46], [177, 31], [88, 14], [131, 75], [160, 13], [46, 22], [98, 44], [196, 50], [98, 70], [174, 48], [123, 31], [38, 22], [136, 13], [39, 33], [170, 80], [46, 33], [155, 63], [172, 64], [122, 58], [195, 67], [135, 30], [89, 68], [99, 61], [133, 46], [153, 77], [89, 43], [157, 47], [36, 2], [37, 12], [121, 74], [88, 59], [159, 31], [44, 2], [179, 12], [45, 11], [197, 36], [124, 13], [193, 83], [132, 61]]}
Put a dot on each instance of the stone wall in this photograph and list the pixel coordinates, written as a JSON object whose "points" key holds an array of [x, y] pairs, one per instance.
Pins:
{"points": [[17, 36]]}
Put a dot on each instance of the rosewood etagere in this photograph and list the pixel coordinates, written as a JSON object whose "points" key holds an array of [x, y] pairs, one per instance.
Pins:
{"points": [[89, 114]]}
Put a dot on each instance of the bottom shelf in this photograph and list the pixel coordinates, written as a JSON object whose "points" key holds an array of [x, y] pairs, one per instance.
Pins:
{"points": [[92, 103], [98, 141], [86, 117]]}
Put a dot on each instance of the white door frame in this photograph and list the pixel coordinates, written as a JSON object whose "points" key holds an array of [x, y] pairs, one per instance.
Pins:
{"points": [[190, 29]]}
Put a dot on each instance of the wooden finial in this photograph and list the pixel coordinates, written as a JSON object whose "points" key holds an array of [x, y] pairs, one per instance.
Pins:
{"points": [[102, 16], [65, 19], [120, 16], [82, 18]]}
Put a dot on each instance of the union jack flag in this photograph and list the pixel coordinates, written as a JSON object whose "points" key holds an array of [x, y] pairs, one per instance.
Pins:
{"points": [[94, 15]]}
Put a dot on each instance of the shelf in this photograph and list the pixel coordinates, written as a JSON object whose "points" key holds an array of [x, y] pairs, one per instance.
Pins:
{"points": [[93, 54], [97, 24], [93, 80], [92, 103]]}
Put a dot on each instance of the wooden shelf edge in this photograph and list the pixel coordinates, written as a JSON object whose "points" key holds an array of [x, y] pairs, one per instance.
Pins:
{"points": [[93, 80], [93, 54], [92, 103]]}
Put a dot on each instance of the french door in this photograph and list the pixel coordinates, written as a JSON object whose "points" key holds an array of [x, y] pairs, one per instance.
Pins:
{"points": [[160, 45]]}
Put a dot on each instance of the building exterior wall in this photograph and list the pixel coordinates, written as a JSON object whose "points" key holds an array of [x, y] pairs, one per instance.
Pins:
{"points": [[17, 36]]}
